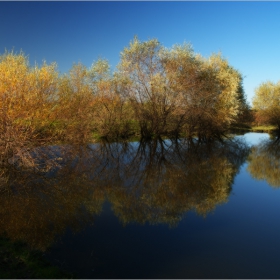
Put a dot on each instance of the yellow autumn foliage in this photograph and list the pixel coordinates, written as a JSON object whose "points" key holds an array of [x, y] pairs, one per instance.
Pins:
{"points": [[266, 103], [26, 102], [155, 92], [176, 90]]}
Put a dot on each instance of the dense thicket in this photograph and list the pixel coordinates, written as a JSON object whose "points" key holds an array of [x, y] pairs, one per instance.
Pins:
{"points": [[266, 103], [154, 92], [173, 91]]}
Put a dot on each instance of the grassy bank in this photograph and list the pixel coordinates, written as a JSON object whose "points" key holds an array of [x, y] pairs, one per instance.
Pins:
{"points": [[264, 128], [234, 129], [253, 128]]}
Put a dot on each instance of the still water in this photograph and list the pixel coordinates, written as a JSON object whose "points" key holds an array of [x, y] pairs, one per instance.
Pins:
{"points": [[153, 210]]}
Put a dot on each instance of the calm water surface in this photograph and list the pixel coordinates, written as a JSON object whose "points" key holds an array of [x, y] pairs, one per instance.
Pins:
{"points": [[154, 210]]}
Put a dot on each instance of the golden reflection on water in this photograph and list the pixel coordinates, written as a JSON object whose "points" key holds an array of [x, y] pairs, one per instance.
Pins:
{"points": [[154, 182], [264, 162]]}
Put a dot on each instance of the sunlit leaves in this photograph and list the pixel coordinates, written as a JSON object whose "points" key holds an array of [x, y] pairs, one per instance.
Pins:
{"points": [[26, 100], [155, 92], [266, 102], [175, 90]]}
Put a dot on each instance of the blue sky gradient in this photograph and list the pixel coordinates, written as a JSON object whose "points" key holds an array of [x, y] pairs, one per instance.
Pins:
{"points": [[246, 33]]}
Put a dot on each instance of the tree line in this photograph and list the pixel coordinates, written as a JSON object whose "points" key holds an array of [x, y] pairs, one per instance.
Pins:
{"points": [[155, 92]]}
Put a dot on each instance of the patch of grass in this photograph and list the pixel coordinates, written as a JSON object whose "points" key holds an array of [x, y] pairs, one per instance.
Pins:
{"points": [[237, 128], [240, 127], [17, 260], [264, 128]]}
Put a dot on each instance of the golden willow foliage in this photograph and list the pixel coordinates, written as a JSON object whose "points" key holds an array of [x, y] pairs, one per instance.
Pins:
{"points": [[155, 182], [264, 162], [266, 102], [112, 115], [26, 105], [175, 90], [154, 92], [39, 107]]}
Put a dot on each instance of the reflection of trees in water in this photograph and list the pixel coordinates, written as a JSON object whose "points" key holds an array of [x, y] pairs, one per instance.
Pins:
{"points": [[155, 182], [37, 207], [264, 162], [163, 181]]}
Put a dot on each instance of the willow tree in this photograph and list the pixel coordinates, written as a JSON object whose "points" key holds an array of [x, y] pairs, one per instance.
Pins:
{"points": [[223, 96], [206, 91], [111, 113], [145, 85], [27, 99], [266, 102], [74, 110], [193, 82], [175, 90]]}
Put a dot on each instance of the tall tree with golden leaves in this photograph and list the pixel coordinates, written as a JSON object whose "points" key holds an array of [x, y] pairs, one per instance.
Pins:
{"points": [[266, 102]]}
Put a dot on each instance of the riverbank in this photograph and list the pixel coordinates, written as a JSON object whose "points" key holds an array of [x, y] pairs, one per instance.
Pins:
{"points": [[17, 260], [254, 128]]}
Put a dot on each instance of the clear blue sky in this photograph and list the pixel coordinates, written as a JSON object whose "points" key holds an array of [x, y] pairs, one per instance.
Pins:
{"points": [[247, 33]]}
